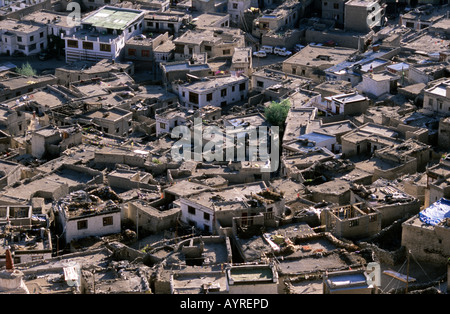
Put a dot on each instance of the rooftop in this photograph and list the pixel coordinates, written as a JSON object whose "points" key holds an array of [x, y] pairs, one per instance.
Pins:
{"points": [[320, 55], [217, 82], [45, 17], [112, 17], [231, 198], [16, 26]]}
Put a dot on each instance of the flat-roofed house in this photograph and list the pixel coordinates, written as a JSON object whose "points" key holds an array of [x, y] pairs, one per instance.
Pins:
{"points": [[313, 60], [103, 33], [26, 37], [259, 279], [79, 216], [217, 92], [437, 98]]}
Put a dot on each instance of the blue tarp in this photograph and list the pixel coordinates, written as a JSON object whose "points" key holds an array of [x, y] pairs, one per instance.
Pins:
{"points": [[435, 213]]}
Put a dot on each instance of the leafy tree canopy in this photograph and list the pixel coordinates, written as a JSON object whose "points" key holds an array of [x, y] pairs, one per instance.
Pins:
{"points": [[277, 112], [26, 70]]}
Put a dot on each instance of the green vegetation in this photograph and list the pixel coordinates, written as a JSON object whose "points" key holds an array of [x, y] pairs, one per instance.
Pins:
{"points": [[26, 70], [277, 112]]}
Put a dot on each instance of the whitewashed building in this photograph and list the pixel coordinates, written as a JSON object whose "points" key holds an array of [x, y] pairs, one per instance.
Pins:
{"points": [[79, 217], [217, 92], [25, 37], [103, 33], [236, 9], [437, 98]]}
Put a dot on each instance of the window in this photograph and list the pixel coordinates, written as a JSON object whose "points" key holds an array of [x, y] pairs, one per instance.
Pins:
{"points": [[31, 47], [19, 39], [145, 53], [88, 45], [206, 216], [193, 98], [207, 48], [105, 47], [31, 38], [162, 125], [82, 224], [72, 43], [260, 84], [353, 223], [232, 88], [131, 52], [223, 92], [235, 5], [209, 97], [107, 221], [191, 210], [336, 6], [226, 51], [241, 86], [150, 24], [21, 47]]}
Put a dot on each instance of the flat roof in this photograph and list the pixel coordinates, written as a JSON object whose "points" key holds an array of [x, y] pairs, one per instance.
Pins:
{"points": [[439, 89], [251, 274], [316, 137], [113, 18], [230, 198], [320, 55], [347, 98]]}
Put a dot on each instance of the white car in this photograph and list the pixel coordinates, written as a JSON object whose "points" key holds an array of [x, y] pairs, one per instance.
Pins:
{"points": [[282, 52], [260, 54], [286, 53]]}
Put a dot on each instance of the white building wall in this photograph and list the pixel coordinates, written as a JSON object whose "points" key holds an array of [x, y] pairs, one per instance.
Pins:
{"points": [[236, 9], [37, 146], [95, 226], [219, 97], [375, 88], [199, 217]]}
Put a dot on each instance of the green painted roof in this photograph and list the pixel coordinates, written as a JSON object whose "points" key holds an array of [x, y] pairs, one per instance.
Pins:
{"points": [[112, 18]]}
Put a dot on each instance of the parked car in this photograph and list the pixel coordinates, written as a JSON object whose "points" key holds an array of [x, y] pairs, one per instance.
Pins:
{"points": [[18, 53], [282, 51], [260, 54], [267, 49], [44, 56], [298, 47]]}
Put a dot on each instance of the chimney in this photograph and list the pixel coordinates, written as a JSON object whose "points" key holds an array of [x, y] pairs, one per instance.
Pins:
{"points": [[9, 261], [447, 91]]}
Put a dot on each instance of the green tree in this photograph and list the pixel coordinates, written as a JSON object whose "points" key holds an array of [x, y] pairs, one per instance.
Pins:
{"points": [[277, 112], [26, 70]]}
